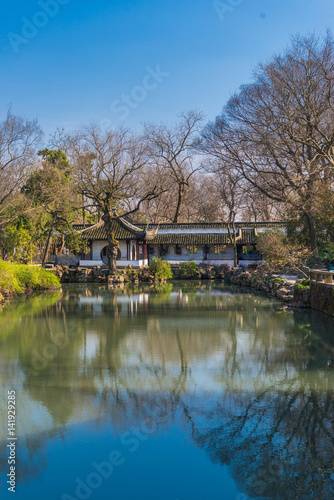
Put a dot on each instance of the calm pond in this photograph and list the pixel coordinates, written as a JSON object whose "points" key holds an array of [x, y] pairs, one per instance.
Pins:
{"points": [[184, 391]]}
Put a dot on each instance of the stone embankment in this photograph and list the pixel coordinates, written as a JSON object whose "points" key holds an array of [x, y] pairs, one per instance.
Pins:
{"points": [[100, 274], [272, 286], [322, 291]]}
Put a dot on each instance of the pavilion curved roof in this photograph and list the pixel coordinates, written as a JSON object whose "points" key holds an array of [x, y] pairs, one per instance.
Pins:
{"points": [[121, 228]]}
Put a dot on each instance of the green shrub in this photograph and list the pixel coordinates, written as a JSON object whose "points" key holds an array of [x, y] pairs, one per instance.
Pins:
{"points": [[327, 251], [304, 285], [161, 269], [17, 278], [189, 270], [8, 279]]}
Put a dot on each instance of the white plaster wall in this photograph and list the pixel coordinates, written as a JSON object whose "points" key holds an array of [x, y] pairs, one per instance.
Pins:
{"points": [[228, 254], [216, 258], [97, 247], [122, 247], [229, 263], [261, 230], [198, 230], [119, 263], [99, 244], [185, 256]]}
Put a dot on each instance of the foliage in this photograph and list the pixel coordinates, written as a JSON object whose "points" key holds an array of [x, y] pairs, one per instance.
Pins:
{"points": [[17, 278], [19, 139], [277, 131], [163, 289], [52, 194], [128, 271], [304, 285], [277, 249], [17, 241], [325, 214], [161, 293], [189, 270], [58, 159], [75, 244], [161, 269], [327, 251]]}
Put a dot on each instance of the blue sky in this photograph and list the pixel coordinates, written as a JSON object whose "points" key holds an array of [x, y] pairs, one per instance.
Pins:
{"points": [[69, 62]]}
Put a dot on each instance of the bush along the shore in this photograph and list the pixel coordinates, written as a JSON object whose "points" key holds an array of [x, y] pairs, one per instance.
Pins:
{"points": [[189, 270], [161, 269], [21, 278]]}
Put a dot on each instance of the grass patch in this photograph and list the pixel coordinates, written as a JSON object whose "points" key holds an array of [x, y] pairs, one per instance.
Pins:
{"points": [[18, 278]]}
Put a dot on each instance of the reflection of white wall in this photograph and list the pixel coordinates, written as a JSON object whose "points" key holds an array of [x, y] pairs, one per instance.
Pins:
{"points": [[140, 299], [90, 300], [90, 347], [95, 302]]}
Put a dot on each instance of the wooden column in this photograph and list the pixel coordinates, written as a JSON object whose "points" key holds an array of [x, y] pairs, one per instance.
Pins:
{"points": [[137, 250], [145, 251]]}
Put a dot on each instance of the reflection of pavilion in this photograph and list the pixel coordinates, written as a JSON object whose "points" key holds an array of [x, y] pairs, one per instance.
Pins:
{"points": [[125, 304]]}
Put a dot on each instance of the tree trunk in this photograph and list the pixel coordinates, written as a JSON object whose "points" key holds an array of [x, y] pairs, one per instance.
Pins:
{"points": [[313, 234], [112, 245], [182, 192], [47, 248], [83, 212], [62, 243], [235, 252], [233, 240]]}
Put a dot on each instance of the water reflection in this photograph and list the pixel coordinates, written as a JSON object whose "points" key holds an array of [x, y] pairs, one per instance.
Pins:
{"points": [[248, 383]]}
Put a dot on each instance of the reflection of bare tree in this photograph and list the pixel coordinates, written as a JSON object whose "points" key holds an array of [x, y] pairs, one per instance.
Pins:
{"points": [[279, 444]]}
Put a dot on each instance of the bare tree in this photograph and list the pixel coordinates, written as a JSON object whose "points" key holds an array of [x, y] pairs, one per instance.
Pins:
{"points": [[279, 131], [19, 139], [111, 171], [200, 203], [227, 186], [258, 207], [172, 148]]}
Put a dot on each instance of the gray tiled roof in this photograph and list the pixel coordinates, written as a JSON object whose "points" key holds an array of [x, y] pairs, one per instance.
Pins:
{"points": [[124, 230], [121, 229]]}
